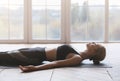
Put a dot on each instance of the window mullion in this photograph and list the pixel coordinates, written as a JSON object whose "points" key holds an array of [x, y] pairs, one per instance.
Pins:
{"points": [[28, 21], [106, 21], [67, 21], [25, 20]]}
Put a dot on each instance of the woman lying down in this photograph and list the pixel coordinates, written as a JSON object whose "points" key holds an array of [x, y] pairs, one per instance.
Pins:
{"points": [[30, 59]]}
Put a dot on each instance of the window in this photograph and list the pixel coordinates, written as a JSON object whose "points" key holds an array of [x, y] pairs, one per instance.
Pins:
{"points": [[114, 17], [46, 20], [87, 20], [59, 21], [11, 20]]}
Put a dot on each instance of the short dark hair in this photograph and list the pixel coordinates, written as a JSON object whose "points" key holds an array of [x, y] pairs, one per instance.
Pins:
{"points": [[100, 53]]}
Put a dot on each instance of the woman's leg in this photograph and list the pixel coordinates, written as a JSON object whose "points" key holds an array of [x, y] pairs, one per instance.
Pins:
{"points": [[6, 59], [18, 58], [22, 59], [15, 58]]}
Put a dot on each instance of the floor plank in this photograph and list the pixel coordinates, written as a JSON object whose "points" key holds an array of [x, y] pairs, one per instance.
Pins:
{"points": [[1, 70], [17, 75], [81, 74], [113, 56]]}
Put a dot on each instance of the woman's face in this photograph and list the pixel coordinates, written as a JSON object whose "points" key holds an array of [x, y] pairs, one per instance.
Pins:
{"points": [[92, 46]]}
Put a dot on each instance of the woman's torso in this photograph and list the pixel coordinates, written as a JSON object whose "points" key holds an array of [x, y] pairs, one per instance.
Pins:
{"points": [[51, 54], [60, 53]]}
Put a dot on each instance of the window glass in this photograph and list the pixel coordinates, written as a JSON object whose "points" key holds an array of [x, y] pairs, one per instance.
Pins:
{"points": [[16, 22], [87, 20], [11, 19], [114, 2], [114, 25], [4, 24], [46, 20]]}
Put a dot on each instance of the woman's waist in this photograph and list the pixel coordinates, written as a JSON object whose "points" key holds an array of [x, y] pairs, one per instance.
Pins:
{"points": [[51, 53]]}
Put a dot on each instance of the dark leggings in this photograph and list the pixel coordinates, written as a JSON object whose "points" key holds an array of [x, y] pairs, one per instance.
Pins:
{"points": [[13, 58]]}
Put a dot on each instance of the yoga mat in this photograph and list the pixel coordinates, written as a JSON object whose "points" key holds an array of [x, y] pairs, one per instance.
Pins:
{"points": [[89, 64], [7, 67], [84, 64]]}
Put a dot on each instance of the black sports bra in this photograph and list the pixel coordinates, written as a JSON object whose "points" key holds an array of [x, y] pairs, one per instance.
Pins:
{"points": [[64, 50]]}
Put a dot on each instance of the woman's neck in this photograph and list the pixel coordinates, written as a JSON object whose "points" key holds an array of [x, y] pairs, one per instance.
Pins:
{"points": [[85, 54]]}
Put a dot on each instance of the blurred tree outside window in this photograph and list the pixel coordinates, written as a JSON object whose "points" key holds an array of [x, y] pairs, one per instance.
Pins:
{"points": [[87, 20]]}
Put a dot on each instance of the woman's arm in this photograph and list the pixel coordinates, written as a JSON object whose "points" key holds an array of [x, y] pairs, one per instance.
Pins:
{"points": [[74, 60]]}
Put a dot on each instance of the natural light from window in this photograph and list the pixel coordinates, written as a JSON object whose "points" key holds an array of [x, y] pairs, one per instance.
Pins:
{"points": [[11, 19], [46, 20], [114, 18], [84, 25]]}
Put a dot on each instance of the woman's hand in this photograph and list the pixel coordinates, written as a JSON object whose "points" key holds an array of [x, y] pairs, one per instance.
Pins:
{"points": [[27, 68]]}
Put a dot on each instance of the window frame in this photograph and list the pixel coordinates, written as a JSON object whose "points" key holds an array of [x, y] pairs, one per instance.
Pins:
{"points": [[24, 25], [62, 39], [65, 25]]}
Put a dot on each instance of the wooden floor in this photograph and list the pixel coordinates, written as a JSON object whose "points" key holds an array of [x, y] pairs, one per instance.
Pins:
{"points": [[68, 73]]}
